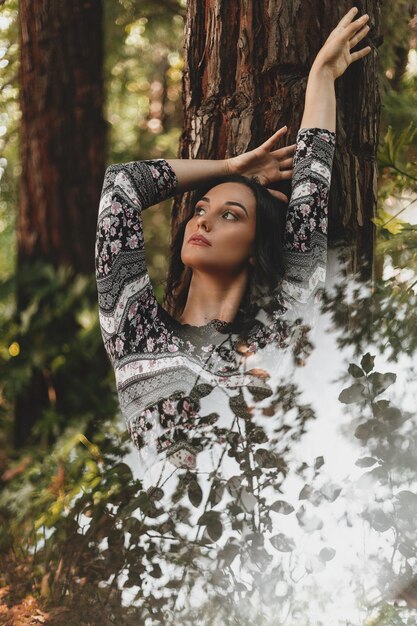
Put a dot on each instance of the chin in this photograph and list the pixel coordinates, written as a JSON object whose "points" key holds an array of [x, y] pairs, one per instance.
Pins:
{"points": [[184, 260]]}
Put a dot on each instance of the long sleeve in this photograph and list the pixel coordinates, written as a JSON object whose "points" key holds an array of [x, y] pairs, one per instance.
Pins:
{"points": [[125, 295], [305, 244]]}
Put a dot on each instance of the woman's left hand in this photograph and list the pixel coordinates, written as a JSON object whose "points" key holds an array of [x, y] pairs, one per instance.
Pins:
{"points": [[265, 165], [335, 56]]}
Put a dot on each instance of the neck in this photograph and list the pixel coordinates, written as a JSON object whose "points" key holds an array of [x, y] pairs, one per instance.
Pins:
{"points": [[212, 298]]}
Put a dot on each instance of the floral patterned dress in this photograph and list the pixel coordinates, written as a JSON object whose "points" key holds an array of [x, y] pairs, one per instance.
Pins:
{"points": [[164, 368]]}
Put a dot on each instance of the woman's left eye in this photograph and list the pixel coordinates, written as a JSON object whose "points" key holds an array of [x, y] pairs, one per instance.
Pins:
{"points": [[232, 214], [234, 217]]}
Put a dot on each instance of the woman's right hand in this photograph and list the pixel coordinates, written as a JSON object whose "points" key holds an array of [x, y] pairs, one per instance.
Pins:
{"points": [[265, 165]]}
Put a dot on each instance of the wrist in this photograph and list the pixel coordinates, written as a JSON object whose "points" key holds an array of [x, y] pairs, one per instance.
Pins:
{"points": [[322, 71], [230, 166]]}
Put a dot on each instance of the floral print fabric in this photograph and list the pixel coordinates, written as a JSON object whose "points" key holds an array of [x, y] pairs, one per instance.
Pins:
{"points": [[160, 363]]}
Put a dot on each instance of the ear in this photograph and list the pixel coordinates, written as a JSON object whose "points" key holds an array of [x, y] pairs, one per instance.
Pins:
{"points": [[252, 260]]}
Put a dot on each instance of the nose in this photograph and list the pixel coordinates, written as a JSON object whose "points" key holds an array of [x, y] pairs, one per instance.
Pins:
{"points": [[203, 221]]}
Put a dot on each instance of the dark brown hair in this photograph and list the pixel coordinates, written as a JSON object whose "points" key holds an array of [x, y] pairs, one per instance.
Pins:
{"points": [[268, 268]]}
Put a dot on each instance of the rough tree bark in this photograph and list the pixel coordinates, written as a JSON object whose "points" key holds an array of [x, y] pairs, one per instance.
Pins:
{"points": [[246, 68], [62, 131], [62, 153]]}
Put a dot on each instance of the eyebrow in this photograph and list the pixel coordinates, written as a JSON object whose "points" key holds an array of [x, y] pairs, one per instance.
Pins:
{"points": [[229, 203]]}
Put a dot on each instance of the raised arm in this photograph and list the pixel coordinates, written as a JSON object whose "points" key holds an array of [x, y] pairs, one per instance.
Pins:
{"points": [[306, 228], [307, 216], [259, 162], [125, 296], [331, 62], [305, 242]]}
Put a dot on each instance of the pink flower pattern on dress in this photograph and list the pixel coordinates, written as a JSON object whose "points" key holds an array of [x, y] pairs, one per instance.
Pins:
{"points": [[142, 328]]}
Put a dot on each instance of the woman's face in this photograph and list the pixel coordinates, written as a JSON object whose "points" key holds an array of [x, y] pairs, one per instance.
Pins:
{"points": [[226, 218]]}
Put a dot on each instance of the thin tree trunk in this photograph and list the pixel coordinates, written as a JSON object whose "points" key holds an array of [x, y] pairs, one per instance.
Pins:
{"points": [[62, 131], [246, 69], [62, 155]]}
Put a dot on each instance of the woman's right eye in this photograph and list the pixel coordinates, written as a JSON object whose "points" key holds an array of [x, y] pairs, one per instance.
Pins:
{"points": [[197, 209]]}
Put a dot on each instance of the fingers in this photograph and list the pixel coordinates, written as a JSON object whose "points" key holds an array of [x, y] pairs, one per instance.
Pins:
{"points": [[346, 19], [355, 26], [286, 175], [286, 164], [269, 143], [355, 56], [279, 195], [283, 153], [359, 36]]}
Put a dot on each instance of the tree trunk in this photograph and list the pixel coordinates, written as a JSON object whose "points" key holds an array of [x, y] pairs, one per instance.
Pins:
{"points": [[62, 156], [245, 75], [62, 131]]}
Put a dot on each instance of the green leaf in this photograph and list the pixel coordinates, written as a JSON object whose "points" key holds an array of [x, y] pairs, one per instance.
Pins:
{"points": [[378, 520], [381, 382], [258, 435], [195, 493], [363, 431], [260, 393], [392, 413], [306, 492], [367, 362], [143, 502], [229, 552], [352, 394], [247, 500], [215, 530], [395, 145], [209, 517], [216, 493], [123, 471], [366, 461], [133, 526], [355, 371], [281, 507], [407, 550], [234, 485], [388, 222], [331, 491], [327, 554], [156, 571], [200, 391], [155, 494], [282, 543], [408, 500], [379, 407], [319, 462], [239, 407], [265, 458]]}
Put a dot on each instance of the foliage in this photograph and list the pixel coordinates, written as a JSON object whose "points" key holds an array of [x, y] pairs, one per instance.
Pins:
{"points": [[85, 527], [389, 458], [396, 29], [384, 314], [396, 238], [57, 335], [143, 69], [67, 508], [395, 155], [9, 140]]}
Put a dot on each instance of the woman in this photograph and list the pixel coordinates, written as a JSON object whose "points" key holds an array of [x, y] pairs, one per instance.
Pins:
{"points": [[166, 360]]}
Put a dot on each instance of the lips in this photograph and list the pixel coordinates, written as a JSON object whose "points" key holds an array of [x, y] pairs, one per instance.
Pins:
{"points": [[199, 239]]}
